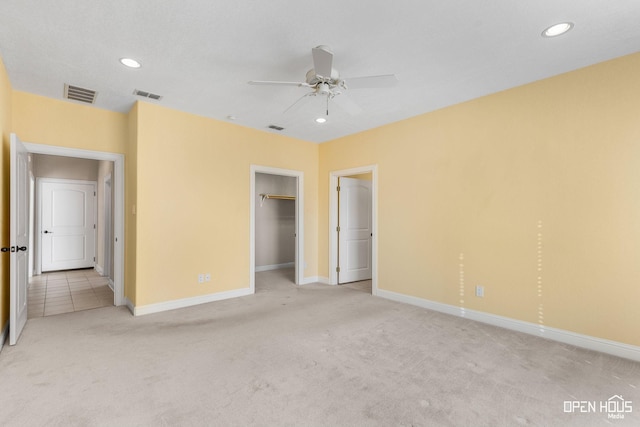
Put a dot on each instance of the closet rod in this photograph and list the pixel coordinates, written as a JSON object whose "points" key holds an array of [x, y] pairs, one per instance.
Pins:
{"points": [[276, 196]]}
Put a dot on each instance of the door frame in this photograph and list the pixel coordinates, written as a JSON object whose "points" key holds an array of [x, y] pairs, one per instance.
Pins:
{"points": [[118, 203], [333, 222], [107, 189], [38, 223], [299, 262]]}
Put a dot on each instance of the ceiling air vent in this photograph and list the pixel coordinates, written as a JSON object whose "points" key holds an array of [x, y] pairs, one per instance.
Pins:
{"points": [[147, 95], [274, 127], [76, 93]]}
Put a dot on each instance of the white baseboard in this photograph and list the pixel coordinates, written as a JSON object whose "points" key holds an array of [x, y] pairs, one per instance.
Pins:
{"points": [[315, 279], [99, 269], [614, 348], [274, 266], [3, 335], [186, 302]]}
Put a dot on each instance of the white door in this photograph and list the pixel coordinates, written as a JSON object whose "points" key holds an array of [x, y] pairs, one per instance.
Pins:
{"points": [[67, 224], [19, 235], [354, 222]]}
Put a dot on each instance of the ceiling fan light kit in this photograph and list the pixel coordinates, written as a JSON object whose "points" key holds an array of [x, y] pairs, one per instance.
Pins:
{"points": [[324, 80]]}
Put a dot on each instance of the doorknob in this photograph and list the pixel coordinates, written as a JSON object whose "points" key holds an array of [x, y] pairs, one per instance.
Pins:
{"points": [[21, 248], [5, 249], [48, 232]]}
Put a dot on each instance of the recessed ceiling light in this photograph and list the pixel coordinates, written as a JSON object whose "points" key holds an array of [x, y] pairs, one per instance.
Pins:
{"points": [[321, 120], [131, 63], [231, 117], [557, 29]]}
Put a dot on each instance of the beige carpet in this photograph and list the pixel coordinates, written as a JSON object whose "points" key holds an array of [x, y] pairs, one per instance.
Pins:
{"points": [[300, 356]]}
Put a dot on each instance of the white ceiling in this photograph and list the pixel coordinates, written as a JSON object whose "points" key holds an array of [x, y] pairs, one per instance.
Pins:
{"points": [[199, 54]]}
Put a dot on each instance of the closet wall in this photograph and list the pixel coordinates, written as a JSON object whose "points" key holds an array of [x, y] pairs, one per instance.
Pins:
{"points": [[275, 222]]}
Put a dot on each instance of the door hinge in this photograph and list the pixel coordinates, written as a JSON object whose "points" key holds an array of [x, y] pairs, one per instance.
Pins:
{"points": [[337, 269], [94, 226], [94, 259], [338, 188], [13, 249], [94, 194], [338, 229]]}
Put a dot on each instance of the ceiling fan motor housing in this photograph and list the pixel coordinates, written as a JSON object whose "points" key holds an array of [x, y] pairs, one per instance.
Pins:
{"points": [[313, 79]]}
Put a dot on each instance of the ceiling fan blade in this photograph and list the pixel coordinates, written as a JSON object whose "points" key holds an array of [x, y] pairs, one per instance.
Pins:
{"points": [[347, 104], [386, 80], [277, 83], [300, 102], [322, 61]]}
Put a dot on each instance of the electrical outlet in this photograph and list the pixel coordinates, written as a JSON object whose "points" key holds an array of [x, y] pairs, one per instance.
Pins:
{"points": [[200, 278], [480, 291], [207, 277]]}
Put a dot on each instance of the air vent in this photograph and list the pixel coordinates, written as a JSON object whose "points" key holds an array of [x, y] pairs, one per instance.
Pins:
{"points": [[76, 93], [147, 95], [274, 127]]}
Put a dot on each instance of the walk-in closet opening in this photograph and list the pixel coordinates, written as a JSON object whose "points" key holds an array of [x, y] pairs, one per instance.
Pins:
{"points": [[276, 226]]}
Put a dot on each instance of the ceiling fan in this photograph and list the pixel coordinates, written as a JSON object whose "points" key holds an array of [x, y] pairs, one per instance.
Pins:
{"points": [[324, 80]]}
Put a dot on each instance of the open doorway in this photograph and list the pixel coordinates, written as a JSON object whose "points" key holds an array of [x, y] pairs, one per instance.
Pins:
{"points": [[106, 269], [275, 223], [276, 229], [353, 228], [73, 216], [20, 230]]}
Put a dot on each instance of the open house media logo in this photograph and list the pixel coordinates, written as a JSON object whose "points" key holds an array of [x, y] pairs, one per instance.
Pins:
{"points": [[615, 407]]}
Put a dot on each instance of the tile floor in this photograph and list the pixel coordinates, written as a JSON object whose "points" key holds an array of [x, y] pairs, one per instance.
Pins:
{"points": [[67, 291]]}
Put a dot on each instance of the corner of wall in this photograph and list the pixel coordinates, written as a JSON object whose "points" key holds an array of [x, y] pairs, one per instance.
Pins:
{"points": [[4, 333], [131, 174]]}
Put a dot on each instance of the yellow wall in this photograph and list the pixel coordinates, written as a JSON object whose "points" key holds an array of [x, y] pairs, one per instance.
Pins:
{"points": [[544, 173], [187, 189], [42, 120], [478, 179], [193, 201], [5, 131]]}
